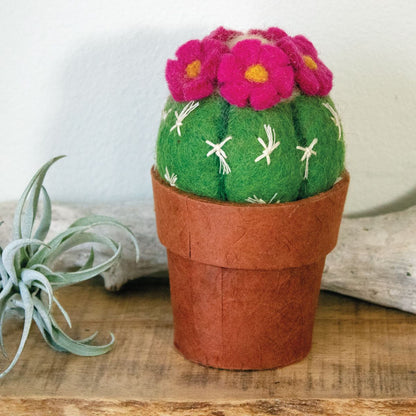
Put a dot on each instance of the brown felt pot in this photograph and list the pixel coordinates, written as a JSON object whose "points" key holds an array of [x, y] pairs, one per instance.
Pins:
{"points": [[245, 278]]}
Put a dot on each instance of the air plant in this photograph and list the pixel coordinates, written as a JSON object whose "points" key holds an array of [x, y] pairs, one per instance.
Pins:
{"points": [[28, 279]]}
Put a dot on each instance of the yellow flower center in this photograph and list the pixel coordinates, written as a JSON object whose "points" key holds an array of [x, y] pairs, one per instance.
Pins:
{"points": [[309, 62], [193, 69], [256, 73]]}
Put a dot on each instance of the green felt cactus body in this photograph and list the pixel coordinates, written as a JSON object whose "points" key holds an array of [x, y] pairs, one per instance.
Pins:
{"points": [[290, 151], [250, 119]]}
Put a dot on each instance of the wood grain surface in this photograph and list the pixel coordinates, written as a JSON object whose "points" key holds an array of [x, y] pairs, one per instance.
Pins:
{"points": [[363, 361]]}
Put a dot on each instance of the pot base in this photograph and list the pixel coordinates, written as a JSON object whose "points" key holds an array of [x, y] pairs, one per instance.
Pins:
{"points": [[243, 319]]}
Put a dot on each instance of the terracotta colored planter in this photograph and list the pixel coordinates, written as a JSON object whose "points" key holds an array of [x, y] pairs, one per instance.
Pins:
{"points": [[245, 278]]}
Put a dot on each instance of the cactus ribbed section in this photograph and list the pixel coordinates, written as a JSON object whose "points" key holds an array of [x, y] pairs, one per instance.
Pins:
{"points": [[213, 149]]}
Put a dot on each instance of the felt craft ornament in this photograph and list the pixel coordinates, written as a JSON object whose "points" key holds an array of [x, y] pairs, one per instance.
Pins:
{"points": [[249, 188]]}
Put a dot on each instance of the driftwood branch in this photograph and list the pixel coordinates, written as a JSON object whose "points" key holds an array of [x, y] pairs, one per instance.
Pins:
{"points": [[375, 259]]}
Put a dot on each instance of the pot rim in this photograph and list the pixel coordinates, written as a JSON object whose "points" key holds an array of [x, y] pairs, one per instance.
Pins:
{"points": [[248, 236]]}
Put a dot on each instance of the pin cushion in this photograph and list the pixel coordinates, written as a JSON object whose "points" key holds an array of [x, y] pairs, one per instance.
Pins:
{"points": [[249, 188], [249, 119]]}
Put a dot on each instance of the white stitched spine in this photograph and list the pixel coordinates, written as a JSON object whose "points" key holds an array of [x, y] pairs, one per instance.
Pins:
{"points": [[271, 145], [165, 114], [217, 149], [182, 115], [335, 118], [171, 178], [308, 152], [255, 200]]}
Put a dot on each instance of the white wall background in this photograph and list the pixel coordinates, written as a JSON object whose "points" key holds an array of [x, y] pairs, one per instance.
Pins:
{"points": [[86, 78]]}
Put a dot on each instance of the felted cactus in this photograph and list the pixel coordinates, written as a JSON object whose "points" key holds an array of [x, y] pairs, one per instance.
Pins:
{"points": [[249, 119]]}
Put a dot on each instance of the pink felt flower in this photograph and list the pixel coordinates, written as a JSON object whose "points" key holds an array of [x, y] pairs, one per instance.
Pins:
{"points": [[272, 34], [193, 75], [312, 76], [223, 35], [255, 73]]}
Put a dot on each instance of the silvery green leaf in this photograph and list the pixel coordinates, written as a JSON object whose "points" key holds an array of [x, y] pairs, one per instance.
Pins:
{"points": [[29, 213], [81, 346], [3, 311], [10, 252], [63, 311], [76, 240], [90, 261], [44, 313], [3, 274], [45, 334], [5, 291], [30, 276], [54, 278], [28, 308], [23, 221], [45, 221], [82, 341], [70, 278], [78, 348], [47, 271], [98, 220], [89, 339], [41, 253], [41, 292]]}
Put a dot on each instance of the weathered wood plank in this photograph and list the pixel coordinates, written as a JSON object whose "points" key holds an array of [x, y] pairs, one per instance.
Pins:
{"points": [[360, 351], [313, 407]]}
